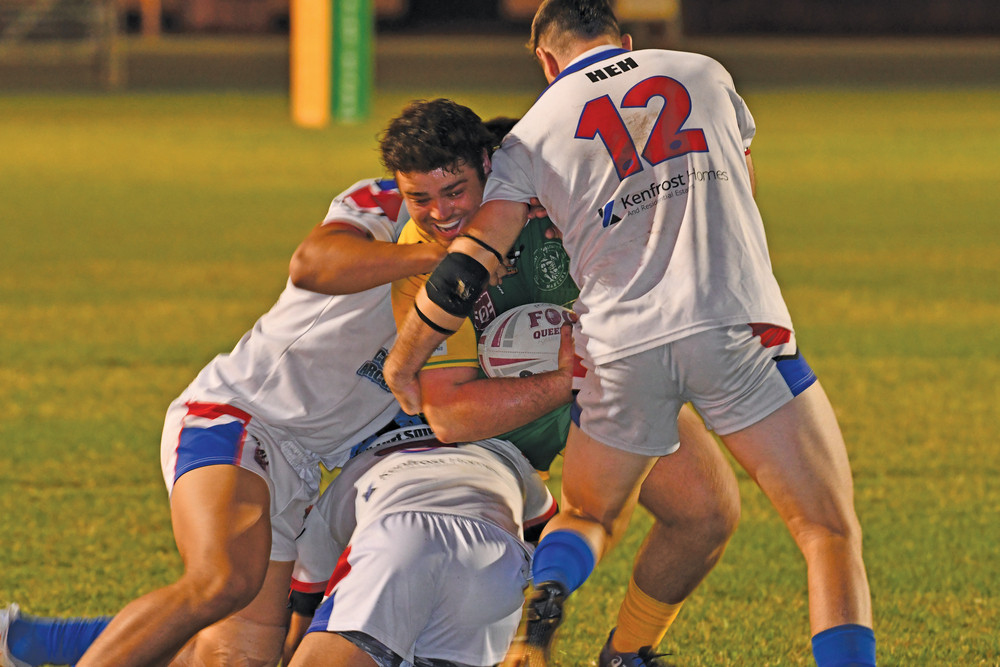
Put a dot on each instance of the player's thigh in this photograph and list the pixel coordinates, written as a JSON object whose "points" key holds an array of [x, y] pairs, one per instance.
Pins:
{"points": [[201, 440], [797, 456], [695, 484], [330, 648], [221, 520]]}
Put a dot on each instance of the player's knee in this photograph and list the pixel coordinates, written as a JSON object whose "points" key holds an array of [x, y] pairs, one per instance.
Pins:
{"points": [[236, 642], [831, 533], [219, 592], [711, 517]]}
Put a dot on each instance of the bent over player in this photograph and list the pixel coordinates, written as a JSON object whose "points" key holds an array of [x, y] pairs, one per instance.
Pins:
{"points": [[432, 561], [641, 159]]}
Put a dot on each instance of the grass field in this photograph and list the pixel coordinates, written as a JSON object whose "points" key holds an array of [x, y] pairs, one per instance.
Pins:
{"points": [[142, 234]]}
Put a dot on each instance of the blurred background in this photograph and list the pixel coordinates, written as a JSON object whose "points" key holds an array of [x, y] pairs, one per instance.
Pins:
{"points": [[149, 44]]}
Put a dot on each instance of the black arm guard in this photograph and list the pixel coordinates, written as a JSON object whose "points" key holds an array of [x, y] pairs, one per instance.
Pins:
{"points": [[456, 284]]}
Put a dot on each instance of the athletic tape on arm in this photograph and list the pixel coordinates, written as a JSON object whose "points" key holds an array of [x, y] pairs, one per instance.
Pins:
{"points": [[456, 284]]}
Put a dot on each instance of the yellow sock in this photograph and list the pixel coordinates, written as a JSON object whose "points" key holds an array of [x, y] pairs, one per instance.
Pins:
{"points": [[642, 620]]}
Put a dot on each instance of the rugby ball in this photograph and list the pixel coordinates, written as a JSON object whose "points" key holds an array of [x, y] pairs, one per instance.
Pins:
{"points": [[523, 341]]}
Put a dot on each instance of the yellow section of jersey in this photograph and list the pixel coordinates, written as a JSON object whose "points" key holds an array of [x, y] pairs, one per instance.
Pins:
{"points": [[461, 348]]}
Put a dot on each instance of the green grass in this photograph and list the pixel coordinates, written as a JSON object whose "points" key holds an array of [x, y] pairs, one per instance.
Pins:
{"points": [[142, 234]]}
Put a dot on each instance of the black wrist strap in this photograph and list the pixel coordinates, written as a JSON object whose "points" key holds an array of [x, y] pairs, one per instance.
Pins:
{"points": [[433, 325], [485, 245]]}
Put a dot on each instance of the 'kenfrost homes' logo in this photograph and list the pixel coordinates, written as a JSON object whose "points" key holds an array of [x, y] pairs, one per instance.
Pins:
{"points": [[676, 186]]}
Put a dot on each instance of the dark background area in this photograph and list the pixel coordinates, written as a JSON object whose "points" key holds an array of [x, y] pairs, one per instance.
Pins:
{"points": [[699, 17], [243, 44]]}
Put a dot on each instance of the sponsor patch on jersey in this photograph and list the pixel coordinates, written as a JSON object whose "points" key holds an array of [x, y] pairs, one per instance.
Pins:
{"points": [[551, 266], [484, 312], [372, 369]]}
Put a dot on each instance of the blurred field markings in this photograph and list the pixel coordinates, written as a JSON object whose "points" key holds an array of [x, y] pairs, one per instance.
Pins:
{"points": [[502, 61]]}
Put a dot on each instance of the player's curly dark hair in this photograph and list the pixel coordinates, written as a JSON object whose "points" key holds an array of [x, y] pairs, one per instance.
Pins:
{"points": [[558, 20], [499, 126], [435, 134]]}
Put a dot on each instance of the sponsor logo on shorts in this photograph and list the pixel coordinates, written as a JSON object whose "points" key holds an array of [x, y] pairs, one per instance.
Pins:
{"points": [[260, 456]]}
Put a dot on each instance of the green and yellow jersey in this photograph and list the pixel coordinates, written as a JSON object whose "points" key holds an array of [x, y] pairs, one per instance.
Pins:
{"points": [[539, 272]]}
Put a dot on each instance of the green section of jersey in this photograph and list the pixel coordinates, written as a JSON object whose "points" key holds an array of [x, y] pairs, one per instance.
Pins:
{"points": [[541, 274]]}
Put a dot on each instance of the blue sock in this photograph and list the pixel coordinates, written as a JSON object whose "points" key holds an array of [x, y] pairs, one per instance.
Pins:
{"points": [[40, 640], [563, 556], [845, 646]]}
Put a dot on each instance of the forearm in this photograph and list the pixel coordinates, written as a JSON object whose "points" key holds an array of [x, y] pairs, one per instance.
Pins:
{"points": [[486, 408], [336, 261]]}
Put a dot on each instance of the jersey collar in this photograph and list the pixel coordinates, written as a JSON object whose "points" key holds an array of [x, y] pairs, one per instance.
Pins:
{"points": [[587, 59]]}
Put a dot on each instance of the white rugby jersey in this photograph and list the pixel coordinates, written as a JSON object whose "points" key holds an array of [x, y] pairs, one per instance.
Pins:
{"points": [[489, 480], [639, 159], [311, 366]]}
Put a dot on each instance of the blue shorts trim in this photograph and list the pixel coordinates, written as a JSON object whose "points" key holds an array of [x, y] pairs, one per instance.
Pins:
{"points": [[198, 447], [796, 371], [321, 619]]}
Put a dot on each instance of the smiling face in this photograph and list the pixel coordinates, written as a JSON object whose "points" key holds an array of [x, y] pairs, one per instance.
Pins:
{"points": [[441, 202]]}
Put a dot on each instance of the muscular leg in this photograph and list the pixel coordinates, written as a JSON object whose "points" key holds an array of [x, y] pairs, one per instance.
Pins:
{"points": [[593, 504], [798, 458], [695, 500], [253, 636], [222, 526]]}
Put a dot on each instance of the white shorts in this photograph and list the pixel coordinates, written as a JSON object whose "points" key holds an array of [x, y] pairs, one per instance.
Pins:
{"points": [[734, 376], [202, 434], [435, 586]]}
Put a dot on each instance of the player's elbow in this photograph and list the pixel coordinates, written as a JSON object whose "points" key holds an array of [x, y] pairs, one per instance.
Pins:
{"points": [[301, 271], [446, 428], [442, 431]]}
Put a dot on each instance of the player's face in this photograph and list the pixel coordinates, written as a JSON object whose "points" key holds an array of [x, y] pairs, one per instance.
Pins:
{"points": [[442, 202]]}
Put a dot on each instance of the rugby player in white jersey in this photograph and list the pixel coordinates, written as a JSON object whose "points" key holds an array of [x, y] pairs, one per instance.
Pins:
{"points": [[421, 548], [241, 444], [642, 161]]}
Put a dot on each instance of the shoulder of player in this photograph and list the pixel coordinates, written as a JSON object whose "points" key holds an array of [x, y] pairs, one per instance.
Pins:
{"points": [[377, 196]]}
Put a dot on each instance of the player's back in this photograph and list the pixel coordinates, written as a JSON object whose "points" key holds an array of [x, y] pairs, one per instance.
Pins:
{"points": [[639, 158]]}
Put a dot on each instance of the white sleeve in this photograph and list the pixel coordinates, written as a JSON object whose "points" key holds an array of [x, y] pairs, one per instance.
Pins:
{"points": [[374, 205], [748, 128], [510, 177]]}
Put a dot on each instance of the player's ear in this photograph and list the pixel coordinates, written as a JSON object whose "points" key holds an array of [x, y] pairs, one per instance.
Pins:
{"points": [[627, 41], [487, 163], [550, 66]]}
